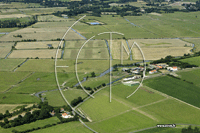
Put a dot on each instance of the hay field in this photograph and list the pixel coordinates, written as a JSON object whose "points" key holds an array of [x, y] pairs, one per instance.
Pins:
{"points": [[5, 49], [48, 53], [14, 16], [41, 34], [97, 53], [157, 53], [50, 18], [91, 44], [196, 42], [159, 43], [10, 107], [116, 49], [37, 45]]}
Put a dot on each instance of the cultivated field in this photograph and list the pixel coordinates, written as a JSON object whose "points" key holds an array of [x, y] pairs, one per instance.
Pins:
{"points": [[40, 34], [5, 49], [38, 45], [177, 88], [48, 53]]}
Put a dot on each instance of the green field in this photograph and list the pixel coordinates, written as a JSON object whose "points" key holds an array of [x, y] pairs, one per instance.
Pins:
{"points": [[16, 98], [196, 42], [39, 123], [177, 88], [54, 98], [9, 79], [193, 60], [9, 64], [162, 130], [5, 48]]}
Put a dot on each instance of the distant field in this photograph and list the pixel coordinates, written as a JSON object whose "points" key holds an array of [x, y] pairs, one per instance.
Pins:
{"points": [[8, 79], [18, 5], [91, 44], [162, 130], [157, 53], [54, 98], [41, 34], [14, 16], [37, 45], [116, 49], [177, 88], [5, 49], [86, 66], [193, 60], [48, 53], [98, 53], [48, 18], [196, 42], [7, 30], [9, 64], [15, 98]]}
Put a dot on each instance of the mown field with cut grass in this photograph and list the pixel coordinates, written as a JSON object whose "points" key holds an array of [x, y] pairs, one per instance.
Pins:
{"points": [[41, 53], [5, 48], [177, 88]]}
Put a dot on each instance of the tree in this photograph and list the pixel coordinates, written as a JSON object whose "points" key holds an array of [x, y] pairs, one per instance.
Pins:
{"points": [[5, 120], [93, 74]]}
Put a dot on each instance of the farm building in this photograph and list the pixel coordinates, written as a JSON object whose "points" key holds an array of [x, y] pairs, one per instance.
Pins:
{"points": [[65, 115], [152, 71], [174, 68], [131, 83]]}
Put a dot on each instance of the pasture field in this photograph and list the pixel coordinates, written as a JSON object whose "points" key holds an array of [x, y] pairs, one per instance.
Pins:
{"points": [[49, 18], [9, 79], [195, 41], [10, 64], [38, 123], [5, 49], [162, 130], [100, 108], [71, 127], [97, 53], [157, 53], [193, 60], [40, 82], [91, 44], [180, 89], [15, 98], [44, 53], [172, 111], [54, 98], [116, 49], [38, 45], [83, 66], [190, 75], [7, 30], [41, 34]]}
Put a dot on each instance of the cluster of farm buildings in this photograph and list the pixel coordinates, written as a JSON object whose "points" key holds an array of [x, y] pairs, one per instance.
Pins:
{"points": [[64, 114]]}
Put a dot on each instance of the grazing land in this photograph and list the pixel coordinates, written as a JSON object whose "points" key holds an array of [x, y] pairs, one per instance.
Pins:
{"points": [[48, 53], [193, 60], [14, 16], [196, 42], [10, 64]]}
